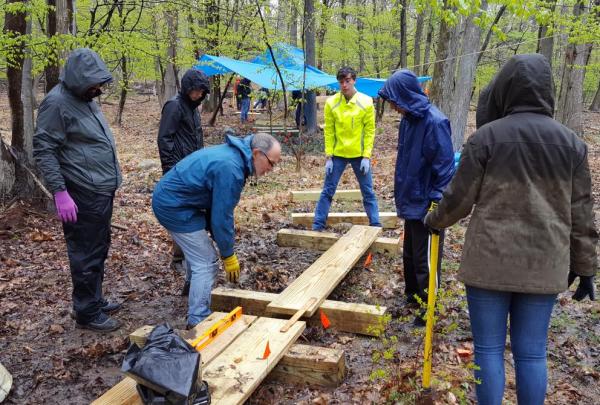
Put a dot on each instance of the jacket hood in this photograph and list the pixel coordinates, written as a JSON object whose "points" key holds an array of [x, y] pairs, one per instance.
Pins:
{"points": [[524, 84], [245, 148], [84, 69], [194, 80], [404, 90]]}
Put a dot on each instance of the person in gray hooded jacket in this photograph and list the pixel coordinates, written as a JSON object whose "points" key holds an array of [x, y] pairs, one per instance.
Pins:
{"points": [[76, 154], [531, 234]]}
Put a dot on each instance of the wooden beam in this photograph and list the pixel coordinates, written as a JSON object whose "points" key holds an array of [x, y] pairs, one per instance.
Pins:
{"points": [[240, 368], [321, 366], [389, 220], [324, 275], [311, 365], [324, 240], [344, 316], [313, 195], [125, 393]]}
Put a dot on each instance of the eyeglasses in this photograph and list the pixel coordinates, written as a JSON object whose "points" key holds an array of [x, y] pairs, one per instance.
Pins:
{"points": [[269, 160]]}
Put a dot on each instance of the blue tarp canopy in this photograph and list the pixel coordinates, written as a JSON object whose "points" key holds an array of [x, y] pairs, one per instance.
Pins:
{"points": [[290, 61], [263, 75]]}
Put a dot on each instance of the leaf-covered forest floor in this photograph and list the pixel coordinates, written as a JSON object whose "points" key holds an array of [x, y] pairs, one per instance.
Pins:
{"points": [[52, 362]]}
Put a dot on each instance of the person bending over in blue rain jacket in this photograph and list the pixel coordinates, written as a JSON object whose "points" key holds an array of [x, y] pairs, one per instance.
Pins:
{"points": [[210, 180], [424, 167]]}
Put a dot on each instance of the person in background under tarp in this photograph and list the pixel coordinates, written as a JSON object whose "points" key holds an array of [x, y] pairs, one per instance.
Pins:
{"points": [[244, 90], [210, 179], [349, 136], [180, 131], [76, 154], [526, 179], [424, 167]]}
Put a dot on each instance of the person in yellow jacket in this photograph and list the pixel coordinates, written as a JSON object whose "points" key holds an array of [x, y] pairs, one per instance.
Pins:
{"points": [[349, 135]]}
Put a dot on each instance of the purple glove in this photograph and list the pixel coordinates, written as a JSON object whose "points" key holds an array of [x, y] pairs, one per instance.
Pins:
{"points": [[329, 166], [65, 206]]}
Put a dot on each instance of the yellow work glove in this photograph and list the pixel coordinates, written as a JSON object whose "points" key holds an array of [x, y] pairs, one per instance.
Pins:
{"points": [[232, 268]]}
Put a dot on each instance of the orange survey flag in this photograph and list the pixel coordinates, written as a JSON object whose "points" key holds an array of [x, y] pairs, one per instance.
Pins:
{"points": [[267, 351], [368, 260], [324, 320]]}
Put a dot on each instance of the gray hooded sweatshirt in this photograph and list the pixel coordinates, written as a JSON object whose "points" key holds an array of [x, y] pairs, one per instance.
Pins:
{"points": [[526, 179], [73, 145]]}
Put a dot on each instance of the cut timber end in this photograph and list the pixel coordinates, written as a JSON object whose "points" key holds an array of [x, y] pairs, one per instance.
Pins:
{"points": [[324, 240], [313, 195], [344, 316], [326, 273], [389, 220], [312, 365]]}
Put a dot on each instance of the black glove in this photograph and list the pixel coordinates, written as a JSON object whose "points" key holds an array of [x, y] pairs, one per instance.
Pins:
{"points": [[585, 287], [432, 206]]}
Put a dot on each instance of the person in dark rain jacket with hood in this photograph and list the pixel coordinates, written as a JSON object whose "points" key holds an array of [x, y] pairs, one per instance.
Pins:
{"points": [[211, 179], [180, 131], [424, 167], [76, 154], [531, 234]]}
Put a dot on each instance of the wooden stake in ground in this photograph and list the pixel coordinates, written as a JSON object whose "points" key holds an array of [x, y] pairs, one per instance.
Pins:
{"points": [[298, 314]]}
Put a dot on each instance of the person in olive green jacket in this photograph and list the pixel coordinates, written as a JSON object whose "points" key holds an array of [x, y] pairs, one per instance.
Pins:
{"points": [[349, 136], [531, 234]]}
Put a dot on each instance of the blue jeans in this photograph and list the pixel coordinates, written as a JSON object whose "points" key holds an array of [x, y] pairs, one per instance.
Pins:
{"points": [[201, 268], [365, 182], [245, 109], [529, 319]]}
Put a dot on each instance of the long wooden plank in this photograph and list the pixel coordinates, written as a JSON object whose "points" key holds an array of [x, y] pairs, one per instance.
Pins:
{"points": [[325, 274], [389, 220], [125, 393], [313, 195], [344, 316], [324, 240], [304, 364], [322, 366], [238, 371]]}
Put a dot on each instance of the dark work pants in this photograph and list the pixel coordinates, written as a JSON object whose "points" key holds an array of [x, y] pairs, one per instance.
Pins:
{"points": [[415, 256], [88, 241]]}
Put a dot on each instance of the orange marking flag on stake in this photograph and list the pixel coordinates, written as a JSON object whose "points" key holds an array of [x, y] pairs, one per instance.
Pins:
{"points": [[324, 320], [368, 260], [267, 351]]}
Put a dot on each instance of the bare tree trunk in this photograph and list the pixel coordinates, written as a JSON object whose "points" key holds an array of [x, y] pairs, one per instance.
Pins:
{"points": [[124, 90], [324, 21], [310, 108], [360, 28], [428, 42], [489, 33], [545, 44], [442, 89], [293, 24], [569, 109], [418, 36], [464, 80], [170, 78], [403, 40], [595, 106], [52, 71], [15, 24]]}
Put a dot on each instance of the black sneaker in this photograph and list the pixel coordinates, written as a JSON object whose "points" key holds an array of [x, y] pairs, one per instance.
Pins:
{"points": [[102, 323], [185, 291], [419, 321], [109, 307]]}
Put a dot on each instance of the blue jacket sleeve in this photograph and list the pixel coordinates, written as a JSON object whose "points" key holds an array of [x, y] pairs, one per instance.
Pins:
{"points": [[226, 191], [439, 153]]}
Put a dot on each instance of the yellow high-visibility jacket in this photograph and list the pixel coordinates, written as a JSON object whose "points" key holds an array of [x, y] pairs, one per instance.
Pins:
{"points": [[349, 126]]}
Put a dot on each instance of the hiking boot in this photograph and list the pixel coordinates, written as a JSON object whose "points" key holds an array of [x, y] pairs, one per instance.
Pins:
{"points": [[101, 323], [419, 321], [185, 291], [109, 307]]}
